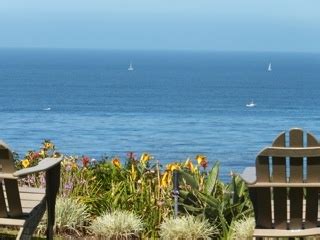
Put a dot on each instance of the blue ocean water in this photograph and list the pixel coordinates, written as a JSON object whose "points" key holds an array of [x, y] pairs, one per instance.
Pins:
{"points": [[174, 104]]}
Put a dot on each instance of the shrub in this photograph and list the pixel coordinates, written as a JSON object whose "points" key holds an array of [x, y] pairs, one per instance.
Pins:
{"points": [[187, 227], [243, 229], [71, 217], [117, 225]]}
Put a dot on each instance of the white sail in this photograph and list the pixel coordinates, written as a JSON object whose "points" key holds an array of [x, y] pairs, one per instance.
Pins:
{"points": [[130, 68], [269, 68]]}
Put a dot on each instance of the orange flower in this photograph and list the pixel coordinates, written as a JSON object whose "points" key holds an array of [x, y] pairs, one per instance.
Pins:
{"points": [[48, 145], [116, 162]]}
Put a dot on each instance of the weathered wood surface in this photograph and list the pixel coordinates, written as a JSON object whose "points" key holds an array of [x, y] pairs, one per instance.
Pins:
{"points": [[285, 186], [25, 206]]}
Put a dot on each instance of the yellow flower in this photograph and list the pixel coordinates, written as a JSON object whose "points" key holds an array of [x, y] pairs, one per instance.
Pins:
{"points": [[25, 163], [116, 162], [145, 157], [165, 179], [188, 164], [173, 166]]}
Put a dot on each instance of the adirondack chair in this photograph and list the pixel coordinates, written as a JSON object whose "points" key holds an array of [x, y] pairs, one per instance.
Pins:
{"points": [[284, 186], [23, 206]]}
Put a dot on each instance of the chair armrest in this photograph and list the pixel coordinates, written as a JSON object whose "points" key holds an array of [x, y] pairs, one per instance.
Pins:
{"points": [[249, 175], [43, 165]]}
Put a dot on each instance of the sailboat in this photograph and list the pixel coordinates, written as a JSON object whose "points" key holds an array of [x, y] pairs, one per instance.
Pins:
{"points": [[269, 68], [130, 68], [251, 104]]}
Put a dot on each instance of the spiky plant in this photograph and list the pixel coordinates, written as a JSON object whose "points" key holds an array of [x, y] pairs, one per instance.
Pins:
{"points": [[187, 227], [71, 217], [243, 229], [117, 225]]}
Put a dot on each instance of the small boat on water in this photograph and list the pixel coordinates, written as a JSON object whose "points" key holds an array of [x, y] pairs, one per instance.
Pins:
{"points": [[251, 104], [47, 109], [269, 67], [130, 68]]}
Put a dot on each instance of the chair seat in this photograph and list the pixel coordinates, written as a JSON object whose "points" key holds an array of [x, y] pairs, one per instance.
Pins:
{"points": [[30, 198]]}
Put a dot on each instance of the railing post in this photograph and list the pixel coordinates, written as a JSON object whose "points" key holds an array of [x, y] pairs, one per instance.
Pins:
{"points": [[175, 191]]}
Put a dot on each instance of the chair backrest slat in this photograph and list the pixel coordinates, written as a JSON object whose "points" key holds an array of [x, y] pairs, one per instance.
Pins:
{"points": [[313, 163], [11, 185], [296, 164], [262, 206], [280, 207], [312, 195], [296, 201], [262, 168], [3, 206], [279, 163]]}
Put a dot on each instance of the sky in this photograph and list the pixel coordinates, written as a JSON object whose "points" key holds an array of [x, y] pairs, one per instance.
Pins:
{"points": [[224, 25]]}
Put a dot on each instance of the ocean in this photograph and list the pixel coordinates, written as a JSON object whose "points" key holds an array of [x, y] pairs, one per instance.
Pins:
{"points": [[174, 105]]}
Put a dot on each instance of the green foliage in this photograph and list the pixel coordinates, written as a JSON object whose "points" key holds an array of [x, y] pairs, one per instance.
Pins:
{"points": [[92, 188], [188, 228], [117, 225], [220, 203], [243, 229], [71, 217]]}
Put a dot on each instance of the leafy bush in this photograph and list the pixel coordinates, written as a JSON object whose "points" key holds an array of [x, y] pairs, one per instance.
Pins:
{"points": [[187, 227], [117, 225], [243, 229], [71, 217]]}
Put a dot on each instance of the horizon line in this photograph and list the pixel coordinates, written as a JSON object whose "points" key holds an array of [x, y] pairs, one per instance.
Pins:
{"points": [[158, 50]]}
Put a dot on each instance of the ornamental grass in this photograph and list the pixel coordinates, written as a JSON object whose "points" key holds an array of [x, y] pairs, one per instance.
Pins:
{"points": [[72, 217], [117, 225], [188, 228]]}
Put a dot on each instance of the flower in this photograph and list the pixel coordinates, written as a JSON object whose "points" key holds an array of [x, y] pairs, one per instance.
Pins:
{"points": [[85, 161], [130, 155], [48, 145], [145, 157], [35, 155], [188, 164], [173, 166], [116, 162], [165, 179], [25, 163], [202, 161], [42, 153]]}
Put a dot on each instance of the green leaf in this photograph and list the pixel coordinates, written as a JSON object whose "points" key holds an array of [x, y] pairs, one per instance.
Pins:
{"points": [[189, 179], [212, 178]]}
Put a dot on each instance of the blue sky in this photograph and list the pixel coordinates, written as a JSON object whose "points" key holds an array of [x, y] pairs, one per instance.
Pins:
{"points": [[273, 25]]}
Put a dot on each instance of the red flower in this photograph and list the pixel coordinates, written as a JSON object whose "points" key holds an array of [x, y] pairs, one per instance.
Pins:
{"points": [[130, 155], [35, 155], [85, 161]]}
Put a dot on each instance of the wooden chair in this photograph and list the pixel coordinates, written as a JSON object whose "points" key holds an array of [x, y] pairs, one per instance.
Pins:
{"points": [[23, 206], [284, 186]]}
